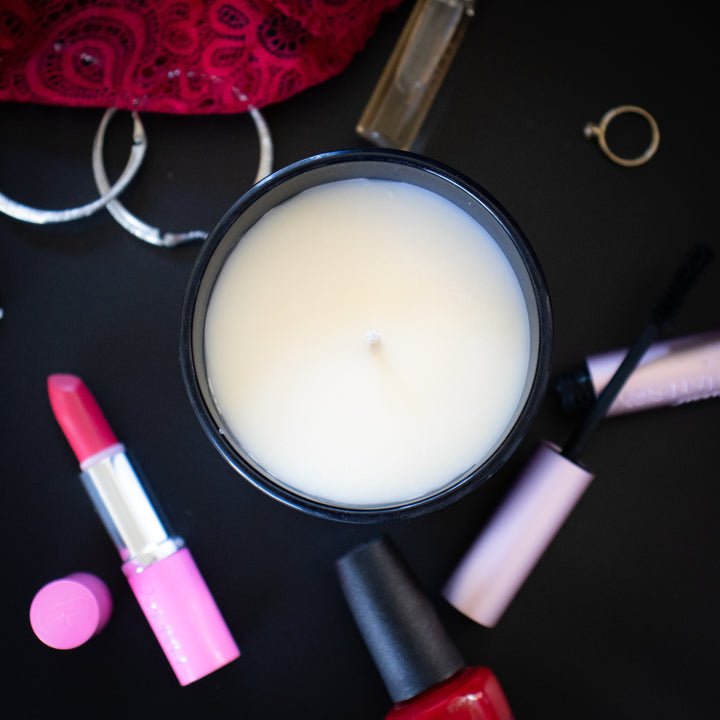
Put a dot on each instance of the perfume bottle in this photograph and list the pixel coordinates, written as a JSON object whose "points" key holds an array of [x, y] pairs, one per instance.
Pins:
{"points": [[423, 670], [413, 74]]}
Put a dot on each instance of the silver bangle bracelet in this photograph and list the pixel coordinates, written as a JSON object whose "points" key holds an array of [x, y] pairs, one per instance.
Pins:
{"points": [[151, 234], [43, 217]]}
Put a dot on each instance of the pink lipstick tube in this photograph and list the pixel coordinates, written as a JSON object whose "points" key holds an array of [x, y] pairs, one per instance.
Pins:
{"points": [[160, 569]]}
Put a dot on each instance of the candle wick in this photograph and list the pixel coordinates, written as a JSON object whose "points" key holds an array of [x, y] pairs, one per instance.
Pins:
{"points": [[373, 338]]}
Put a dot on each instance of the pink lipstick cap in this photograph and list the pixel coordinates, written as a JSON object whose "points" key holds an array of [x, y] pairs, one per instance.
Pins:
{"points": [[66, 613], [494, 568], [183, 615]]}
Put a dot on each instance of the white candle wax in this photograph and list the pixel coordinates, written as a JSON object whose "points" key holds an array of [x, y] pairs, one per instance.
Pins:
{"points": [[367, 342]]}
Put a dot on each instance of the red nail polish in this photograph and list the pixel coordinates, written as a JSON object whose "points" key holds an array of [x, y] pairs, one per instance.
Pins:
{"points": [[422, 669]]}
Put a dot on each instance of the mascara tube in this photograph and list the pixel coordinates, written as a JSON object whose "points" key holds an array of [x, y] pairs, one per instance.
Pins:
{"points": [[670, 373], [159, 568], [413, 74]]}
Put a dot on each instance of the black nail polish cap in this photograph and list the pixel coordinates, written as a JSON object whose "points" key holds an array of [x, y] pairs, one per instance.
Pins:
{"points": [[400, 626]]}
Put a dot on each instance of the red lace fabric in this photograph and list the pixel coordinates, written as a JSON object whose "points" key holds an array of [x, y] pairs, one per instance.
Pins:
{"points": [[177, 56]]}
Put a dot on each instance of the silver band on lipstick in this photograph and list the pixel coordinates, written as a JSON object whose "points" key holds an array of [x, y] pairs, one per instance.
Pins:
{"points": [[129, 517]]}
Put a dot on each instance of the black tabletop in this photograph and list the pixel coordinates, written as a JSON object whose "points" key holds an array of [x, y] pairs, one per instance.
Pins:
{"points": [[619, 618]]}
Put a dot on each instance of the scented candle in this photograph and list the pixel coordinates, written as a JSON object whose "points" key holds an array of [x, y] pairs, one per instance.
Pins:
{"points": [[364, 344], [367, 342]]}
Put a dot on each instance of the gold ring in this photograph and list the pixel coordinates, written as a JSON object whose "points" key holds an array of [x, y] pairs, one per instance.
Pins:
{"points": [[598, 131]]}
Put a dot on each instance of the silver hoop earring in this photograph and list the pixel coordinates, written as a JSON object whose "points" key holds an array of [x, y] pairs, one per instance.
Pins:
{"points": [[43, 217], [151, 234]]}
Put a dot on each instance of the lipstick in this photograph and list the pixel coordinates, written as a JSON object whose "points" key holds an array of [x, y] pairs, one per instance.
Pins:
{"points": [[159, 568]]}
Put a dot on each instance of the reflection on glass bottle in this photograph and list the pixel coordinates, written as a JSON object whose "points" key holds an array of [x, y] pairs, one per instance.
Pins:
{"points": [[414, 72]]}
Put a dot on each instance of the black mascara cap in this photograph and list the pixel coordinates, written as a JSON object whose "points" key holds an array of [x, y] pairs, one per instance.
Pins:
{"points": [[574, 388], [400, 626]]}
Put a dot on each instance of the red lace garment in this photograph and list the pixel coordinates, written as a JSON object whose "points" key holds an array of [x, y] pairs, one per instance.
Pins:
{"points": [[177, 56]]}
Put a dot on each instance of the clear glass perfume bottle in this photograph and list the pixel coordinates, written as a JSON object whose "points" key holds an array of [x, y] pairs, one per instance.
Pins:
{"points": [[413, 75]]}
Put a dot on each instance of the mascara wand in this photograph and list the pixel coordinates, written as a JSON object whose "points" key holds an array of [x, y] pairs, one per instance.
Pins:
{"points": [[503, 555]]}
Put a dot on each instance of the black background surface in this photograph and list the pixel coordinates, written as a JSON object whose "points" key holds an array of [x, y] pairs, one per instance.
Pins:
{"points": [[619, 619]]}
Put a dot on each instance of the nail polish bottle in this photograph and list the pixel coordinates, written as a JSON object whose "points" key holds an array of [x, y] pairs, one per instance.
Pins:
{"points": [[423, 671]]}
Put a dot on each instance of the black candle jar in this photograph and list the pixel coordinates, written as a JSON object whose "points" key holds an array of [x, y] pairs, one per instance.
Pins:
{"points": [[328, 168]]}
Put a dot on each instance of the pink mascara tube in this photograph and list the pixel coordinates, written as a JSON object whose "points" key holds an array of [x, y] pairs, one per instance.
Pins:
{"points": [[160, 570], [504, 554], [671, 373]]}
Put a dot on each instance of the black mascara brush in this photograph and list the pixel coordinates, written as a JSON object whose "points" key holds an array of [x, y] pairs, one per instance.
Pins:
{"points": [[497, 564], [661, 315]]}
